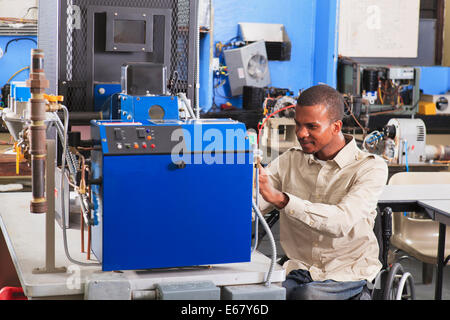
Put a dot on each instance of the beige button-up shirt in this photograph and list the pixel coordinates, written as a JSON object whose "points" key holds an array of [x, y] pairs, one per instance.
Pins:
{"points": [[327, 225]]}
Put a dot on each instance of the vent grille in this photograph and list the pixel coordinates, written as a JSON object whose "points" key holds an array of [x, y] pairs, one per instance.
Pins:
{"points": [[28, 29], [420, 133]]}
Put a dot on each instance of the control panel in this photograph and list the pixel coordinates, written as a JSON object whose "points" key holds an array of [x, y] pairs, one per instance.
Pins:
{"points": [[141, 139]]}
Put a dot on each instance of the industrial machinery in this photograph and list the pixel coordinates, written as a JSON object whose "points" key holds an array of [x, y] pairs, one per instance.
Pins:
{"points": [[87, 41], [165, 152], [137, 224], [371, 90], [403, 141], [437, 103], [18, 108]]}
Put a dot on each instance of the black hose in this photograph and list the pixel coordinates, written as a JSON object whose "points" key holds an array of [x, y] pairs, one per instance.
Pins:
{"points": [[18, 39]]}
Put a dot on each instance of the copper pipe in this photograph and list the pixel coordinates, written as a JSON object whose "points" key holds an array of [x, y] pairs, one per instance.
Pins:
{"points": [[37, 83], [82, 230], [89, 243]]}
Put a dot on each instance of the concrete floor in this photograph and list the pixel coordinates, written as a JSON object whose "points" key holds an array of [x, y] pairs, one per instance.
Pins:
{"points": [[410, 264]]}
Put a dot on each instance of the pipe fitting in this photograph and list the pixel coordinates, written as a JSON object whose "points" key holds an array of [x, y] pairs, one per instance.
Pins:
{"points": [[37, 83]]}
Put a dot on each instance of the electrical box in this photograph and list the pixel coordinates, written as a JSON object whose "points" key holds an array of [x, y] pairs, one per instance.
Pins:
{"points": [[247, 66], [401, 73]]}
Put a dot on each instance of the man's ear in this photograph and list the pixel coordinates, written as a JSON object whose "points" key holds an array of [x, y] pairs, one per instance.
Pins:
{"points": [[337, 126]]}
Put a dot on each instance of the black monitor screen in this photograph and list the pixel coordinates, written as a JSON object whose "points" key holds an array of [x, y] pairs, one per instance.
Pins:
{"points": [[129, 31]]}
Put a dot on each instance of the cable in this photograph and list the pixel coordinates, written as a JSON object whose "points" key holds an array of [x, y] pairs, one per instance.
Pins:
{"points": [[354, 118], [63, 216], [406, 156], [272, 242], [18, 39], [371, 140], [256, 154], [269, 116], [29, 9], [187, 104], [17, 72]]}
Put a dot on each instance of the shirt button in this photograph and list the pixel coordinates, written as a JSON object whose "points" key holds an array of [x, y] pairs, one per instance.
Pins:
{"points": [[291, 211]]}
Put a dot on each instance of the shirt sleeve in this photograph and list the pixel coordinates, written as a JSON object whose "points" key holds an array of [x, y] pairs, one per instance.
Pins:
{"points": [[360, 201], [274, 175]]}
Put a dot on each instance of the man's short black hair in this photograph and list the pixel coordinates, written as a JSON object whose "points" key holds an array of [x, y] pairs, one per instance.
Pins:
{"points": [[326, 96]]}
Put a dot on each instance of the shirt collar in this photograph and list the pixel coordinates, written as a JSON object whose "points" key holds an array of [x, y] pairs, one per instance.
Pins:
{"points": [[348, 153], [345, 156]]}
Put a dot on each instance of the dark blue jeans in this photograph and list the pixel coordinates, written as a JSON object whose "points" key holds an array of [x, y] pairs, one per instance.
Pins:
{"points": [[300, 286]]}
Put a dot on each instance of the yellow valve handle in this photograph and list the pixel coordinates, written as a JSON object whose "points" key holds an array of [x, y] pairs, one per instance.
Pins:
{"points": [[16, 149], [53, 99], [19, 156]]}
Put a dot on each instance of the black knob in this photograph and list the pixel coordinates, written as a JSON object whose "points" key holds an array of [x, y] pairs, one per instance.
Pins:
{"points": [[389, 131]]}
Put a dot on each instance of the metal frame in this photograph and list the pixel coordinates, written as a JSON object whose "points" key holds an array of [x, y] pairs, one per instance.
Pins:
{"points": [[182, 54]]}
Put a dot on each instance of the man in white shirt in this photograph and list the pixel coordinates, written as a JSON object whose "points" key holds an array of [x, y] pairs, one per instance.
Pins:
{"points": [[327, 193]]}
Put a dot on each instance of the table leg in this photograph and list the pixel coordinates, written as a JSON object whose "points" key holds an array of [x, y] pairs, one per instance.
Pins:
{"points": [[440, 261]]}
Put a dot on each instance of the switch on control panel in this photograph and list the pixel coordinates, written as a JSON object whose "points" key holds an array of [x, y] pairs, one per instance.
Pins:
{"points": [[140, 132], [118, 133], [127, 139]]}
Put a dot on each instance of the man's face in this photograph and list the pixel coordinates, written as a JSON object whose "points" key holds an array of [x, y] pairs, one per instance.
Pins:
{"points": [[314, 129]]}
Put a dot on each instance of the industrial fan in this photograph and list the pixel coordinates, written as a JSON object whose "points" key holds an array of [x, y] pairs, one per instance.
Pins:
{"points": [[247, 66]]}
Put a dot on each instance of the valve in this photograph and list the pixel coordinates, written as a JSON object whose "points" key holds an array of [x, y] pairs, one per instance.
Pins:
{"points": [[54, 102]]}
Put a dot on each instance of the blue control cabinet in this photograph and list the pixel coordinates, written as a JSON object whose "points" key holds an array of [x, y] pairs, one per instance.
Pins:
{"points": [[172, 193]]}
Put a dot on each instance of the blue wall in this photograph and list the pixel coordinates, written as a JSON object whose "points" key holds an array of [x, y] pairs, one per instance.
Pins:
{"points": [[326, 42], [311, 26], [17, 57]]}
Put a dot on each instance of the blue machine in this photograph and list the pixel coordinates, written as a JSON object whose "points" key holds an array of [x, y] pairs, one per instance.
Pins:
{"points": [[103, 93], [170, 193]]}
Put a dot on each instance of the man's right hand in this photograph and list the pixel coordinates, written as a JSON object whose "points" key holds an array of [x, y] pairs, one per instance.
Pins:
{"points": [[268, 192]]}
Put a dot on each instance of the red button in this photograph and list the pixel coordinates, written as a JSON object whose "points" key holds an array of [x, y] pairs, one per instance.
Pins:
{"points": [[144, 145], [153, 146]]}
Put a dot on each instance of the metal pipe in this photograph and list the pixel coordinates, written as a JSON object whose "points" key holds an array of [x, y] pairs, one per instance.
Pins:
{"points": [[82, 117], [197, 64], [437, 152], [37, 83]]}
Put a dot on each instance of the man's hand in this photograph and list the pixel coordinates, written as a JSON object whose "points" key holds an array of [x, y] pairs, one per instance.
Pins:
{"points": [[269, 193]]}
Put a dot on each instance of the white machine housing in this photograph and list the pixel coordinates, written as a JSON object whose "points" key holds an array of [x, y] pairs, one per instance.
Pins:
{"points": [[409, 143]]}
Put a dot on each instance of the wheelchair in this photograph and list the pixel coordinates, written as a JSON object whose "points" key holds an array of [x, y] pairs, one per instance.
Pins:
{"points": [[392, 282]]}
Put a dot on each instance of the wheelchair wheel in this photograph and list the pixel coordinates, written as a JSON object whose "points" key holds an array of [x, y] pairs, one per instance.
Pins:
{"points": [[399, 285]]}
